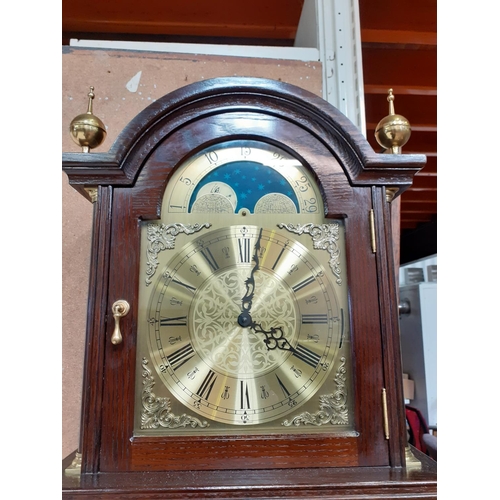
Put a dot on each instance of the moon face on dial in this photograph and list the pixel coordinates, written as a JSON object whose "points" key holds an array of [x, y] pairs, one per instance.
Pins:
{"points": [[243, 325]]}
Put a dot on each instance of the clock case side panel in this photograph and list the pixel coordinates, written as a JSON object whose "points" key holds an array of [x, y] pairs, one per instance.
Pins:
{"points": [[389, 310], [92, 389], [364, 303]]}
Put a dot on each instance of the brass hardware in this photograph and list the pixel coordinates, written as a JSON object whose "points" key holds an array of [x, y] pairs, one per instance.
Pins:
{"points": [[333, 407], [75, 467], [92, 192], [157, 411], [412, 462], [390, 193], [162, 237], [372, 231], [86, 129], [393, 131], [324, 237], [386, 418], [120, 308]]}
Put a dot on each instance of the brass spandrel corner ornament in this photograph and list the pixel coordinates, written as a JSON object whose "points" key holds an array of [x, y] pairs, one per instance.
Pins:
{"points": [[332, 407], [325, 237], [87, 130], [157, 412], [162, 237]]}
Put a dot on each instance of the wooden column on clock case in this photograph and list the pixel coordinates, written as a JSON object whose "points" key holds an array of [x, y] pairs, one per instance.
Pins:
{"points": [[90, 437], [131, 179]]}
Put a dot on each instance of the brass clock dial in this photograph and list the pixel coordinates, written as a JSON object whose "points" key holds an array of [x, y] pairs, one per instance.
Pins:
{"points": [[244, 325], [243, 317]]}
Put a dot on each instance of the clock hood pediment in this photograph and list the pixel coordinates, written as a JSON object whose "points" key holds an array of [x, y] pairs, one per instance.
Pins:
{"points": [[258, 99]]}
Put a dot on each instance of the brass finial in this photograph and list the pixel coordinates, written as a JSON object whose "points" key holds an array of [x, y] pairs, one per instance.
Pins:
{"points": [[86, 129], [91, 100], [390, 99], [394, 130]]}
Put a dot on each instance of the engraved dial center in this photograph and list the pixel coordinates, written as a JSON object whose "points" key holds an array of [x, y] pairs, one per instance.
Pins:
{"points": [[220, 330]]}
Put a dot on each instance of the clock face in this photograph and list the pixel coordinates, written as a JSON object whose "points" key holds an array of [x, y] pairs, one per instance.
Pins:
{"points": [[243, 313], [244, 325]]}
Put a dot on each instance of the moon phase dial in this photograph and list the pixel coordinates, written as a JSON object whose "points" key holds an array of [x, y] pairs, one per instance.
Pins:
{"points": [[243, 325], [232, 176]]}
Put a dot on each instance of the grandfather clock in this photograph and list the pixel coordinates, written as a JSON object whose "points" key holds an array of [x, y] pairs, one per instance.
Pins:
{"points": [[242, 331]]}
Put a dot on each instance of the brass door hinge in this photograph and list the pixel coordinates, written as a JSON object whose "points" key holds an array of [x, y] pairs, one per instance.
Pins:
{"points": [[384, 410], [372, 231]]}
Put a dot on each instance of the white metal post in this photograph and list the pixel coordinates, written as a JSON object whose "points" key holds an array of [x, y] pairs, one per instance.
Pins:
{"points": [[332, 26]]}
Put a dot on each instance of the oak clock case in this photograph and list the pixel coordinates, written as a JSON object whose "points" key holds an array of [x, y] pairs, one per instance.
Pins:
{"points": [[247, 225], [339, 417], [243, 322]]}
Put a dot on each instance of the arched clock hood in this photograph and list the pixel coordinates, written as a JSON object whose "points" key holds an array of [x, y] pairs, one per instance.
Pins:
{"points": [[217, 97]]}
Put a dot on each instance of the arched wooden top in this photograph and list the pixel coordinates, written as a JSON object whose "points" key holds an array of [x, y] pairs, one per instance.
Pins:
{"points": [[121, 165]]}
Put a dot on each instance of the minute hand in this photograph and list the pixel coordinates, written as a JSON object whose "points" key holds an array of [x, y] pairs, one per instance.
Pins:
{"points": [[246, 301]]}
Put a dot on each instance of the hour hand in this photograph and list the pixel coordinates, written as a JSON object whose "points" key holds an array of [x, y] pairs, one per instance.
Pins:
{"points": [[274, 338]]}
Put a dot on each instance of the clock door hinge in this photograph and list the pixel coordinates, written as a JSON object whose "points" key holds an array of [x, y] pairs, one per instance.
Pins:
{"points": [[385, 413], [372, 231]]}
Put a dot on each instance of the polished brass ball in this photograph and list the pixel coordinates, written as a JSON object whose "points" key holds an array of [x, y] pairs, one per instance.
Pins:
{"points": [[393, 131], [87, 131]]}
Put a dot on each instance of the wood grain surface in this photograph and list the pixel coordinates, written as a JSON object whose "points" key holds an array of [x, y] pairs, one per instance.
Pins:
{"points": [[133, 176]]}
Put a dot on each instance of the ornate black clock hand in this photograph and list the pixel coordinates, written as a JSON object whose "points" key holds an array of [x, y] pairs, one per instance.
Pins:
{"points": [[244, 319], [275, 337]]}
